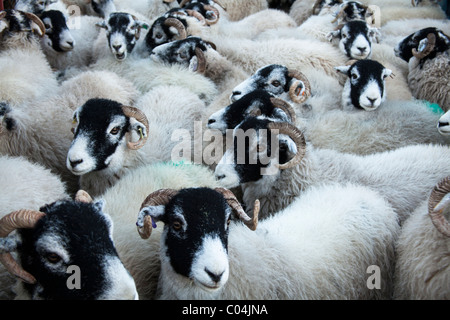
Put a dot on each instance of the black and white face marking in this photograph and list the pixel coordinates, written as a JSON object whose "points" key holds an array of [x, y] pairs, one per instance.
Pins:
{"points": [[161, 33], [255, 102], [99, 141], [404, 48], [123, 32], [273, 78], [356, 39], [74, 234], [57, 35], [33, 6], [194, 242], [255, 150], [180, 52], [365, 86]]}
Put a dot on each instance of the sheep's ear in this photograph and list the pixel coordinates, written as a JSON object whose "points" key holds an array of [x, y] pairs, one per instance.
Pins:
{"points": [[193, 64], [143, 25], [138, 127], [342, 69], [3, 22], [157, 213], [386, 73], [374, 34], [101, 24], [333, 34]]}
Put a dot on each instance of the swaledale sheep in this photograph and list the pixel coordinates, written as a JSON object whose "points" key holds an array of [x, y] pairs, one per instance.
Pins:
{"points": [[123, 202], [423, 250], [21, 56], [80, 31], [304, 252], [24, 185], [123, 30], [60, 239], [111, 139], [275, 167], [40, 131], [365, 85], [427, 52]]}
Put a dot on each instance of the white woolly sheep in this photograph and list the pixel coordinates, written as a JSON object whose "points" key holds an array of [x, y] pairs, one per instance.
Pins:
{"points": [[423, 255], [52, 240], [427, 52], [276, 172], [297, 252], [123, 202], [26, 73], [24, 185], [111, 140]]}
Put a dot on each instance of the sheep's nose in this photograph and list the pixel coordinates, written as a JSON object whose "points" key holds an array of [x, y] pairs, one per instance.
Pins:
{"points": [[69, 43], [117, 47], [75, 163], [371, 100], [220, 177], [362, 49], [211, 121], [214, 276], [443, 124]]}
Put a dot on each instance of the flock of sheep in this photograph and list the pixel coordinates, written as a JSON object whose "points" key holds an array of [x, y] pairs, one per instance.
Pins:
{"points": [[232, 149]]}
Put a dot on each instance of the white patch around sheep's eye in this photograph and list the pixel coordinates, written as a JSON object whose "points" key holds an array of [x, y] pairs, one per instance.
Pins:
{"points": [[114, 130], [344, 35], [354, 76]]}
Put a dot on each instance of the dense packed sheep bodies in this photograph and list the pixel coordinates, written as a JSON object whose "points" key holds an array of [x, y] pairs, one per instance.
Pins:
{"points": [[224, 149]]}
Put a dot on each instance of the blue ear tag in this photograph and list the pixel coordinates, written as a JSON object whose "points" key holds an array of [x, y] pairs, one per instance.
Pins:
{"points": [[153, 223]]}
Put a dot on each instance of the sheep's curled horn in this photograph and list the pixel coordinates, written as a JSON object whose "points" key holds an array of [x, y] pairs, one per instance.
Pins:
{"points": [[163, 196], [41, 27], [439, 202], [428, 49], [297, 136], [12, 221], [133, 112], [25, 219], [295, 91], [174, 22]]}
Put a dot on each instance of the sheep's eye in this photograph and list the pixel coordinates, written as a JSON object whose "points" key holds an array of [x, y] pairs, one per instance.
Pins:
{"points": [[53, 257], [344, 36], [176, 225], [354, 76], [183, 55], [158, 36], [276, 83], [115, 130], [228, 221]]}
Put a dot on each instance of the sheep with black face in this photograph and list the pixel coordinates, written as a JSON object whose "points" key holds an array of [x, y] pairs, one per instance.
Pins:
{"points": [[428, 56], [206, 255], [61, 237], [123, 31], [365, 86], [355, 38]]}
